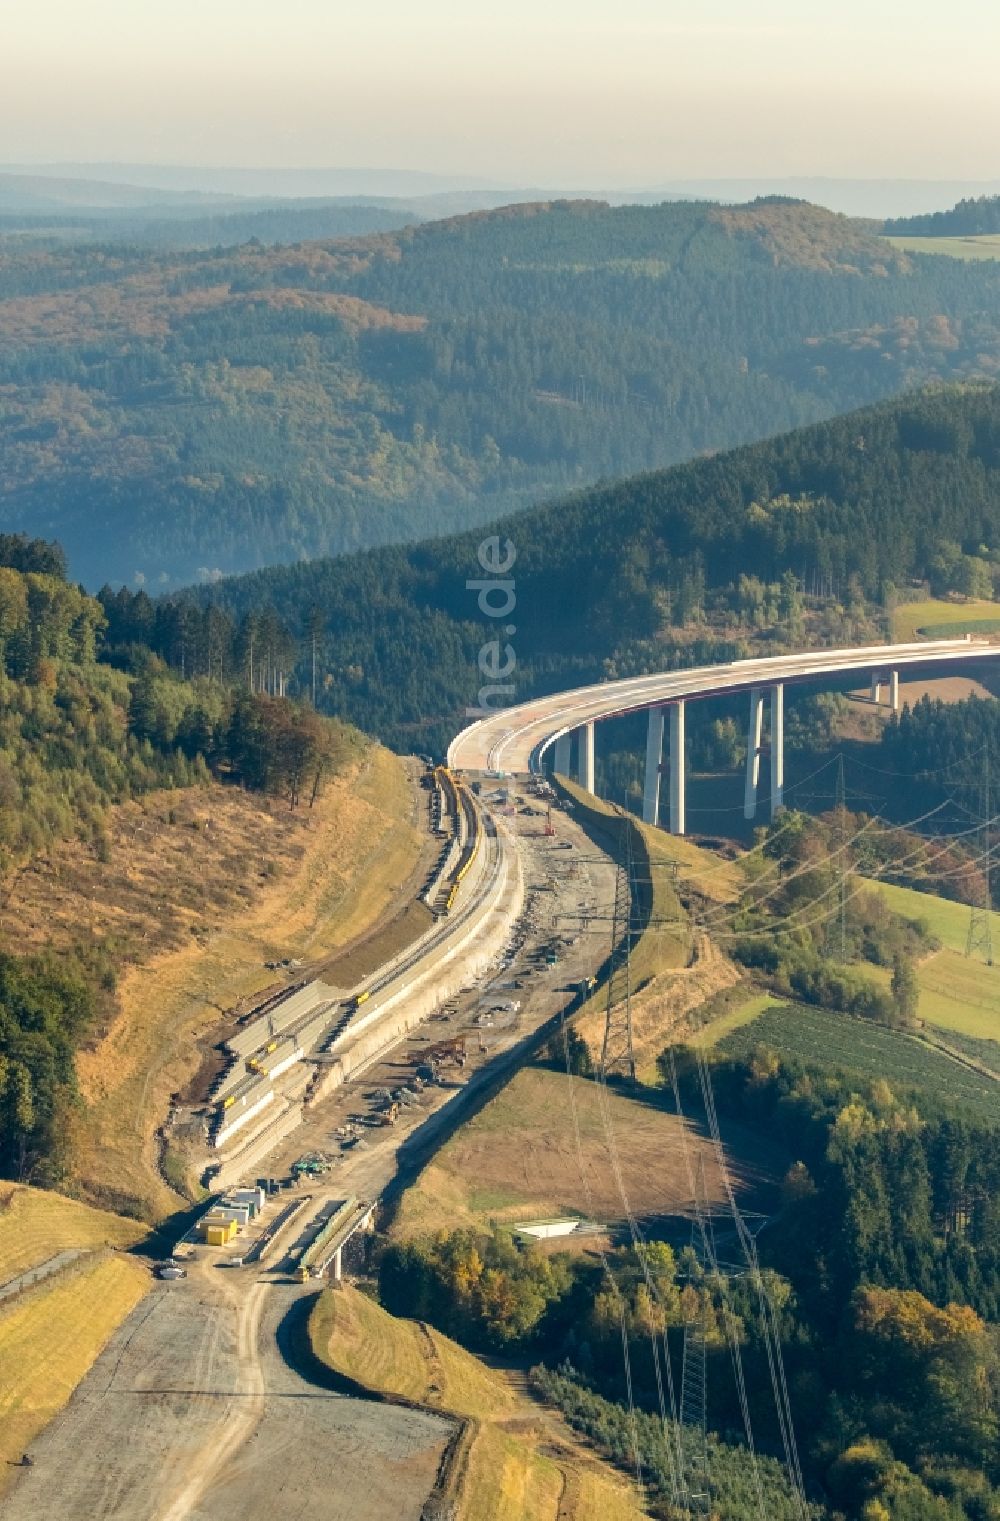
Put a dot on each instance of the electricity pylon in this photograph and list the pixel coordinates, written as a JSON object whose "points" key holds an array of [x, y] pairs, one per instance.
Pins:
{"points": [[694, 1375], [980, 936], [617, 1054], [840, 807]]}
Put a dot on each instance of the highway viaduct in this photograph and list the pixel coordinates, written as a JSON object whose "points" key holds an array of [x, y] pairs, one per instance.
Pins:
{"points": [[518, 739]]}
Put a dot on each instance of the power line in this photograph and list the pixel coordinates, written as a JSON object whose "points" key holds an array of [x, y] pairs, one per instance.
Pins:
{"points": [[617, 1053], [980, 936]]}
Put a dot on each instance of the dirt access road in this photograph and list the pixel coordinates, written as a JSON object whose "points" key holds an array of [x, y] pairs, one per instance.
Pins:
{"points": [[561, 876], [203, 1405], [197, 1411]]}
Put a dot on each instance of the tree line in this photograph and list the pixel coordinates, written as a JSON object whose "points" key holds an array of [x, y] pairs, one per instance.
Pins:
{"points": [[972, 216]]}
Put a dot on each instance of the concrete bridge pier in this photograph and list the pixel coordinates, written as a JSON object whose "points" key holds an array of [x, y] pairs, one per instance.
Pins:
{"points": [[879, 679], [754, 738], [777, 747], [561, 759], [654, 763], [678, 785], [585, 756]]}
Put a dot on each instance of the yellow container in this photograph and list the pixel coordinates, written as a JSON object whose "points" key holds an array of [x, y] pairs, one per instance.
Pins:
{"points": [[219, 1233]]}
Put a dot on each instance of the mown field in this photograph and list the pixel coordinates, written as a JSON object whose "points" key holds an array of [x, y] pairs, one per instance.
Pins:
{"points": [[50, 1335], [984, 245], [521, 1459], [947, 921], [868, 1052], [944, 620], [542, 1149], [957, 992]]}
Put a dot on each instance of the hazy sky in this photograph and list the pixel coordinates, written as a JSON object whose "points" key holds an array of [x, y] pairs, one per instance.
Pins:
{"points": [[588, 92]]}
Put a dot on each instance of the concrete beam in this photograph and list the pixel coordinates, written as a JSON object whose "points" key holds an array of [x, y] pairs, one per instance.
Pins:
{"points": [[585, 756], [561, 761], [777, 747], [894, 691], [677, 777], [876, 687], [754, 737], [654, 759]]}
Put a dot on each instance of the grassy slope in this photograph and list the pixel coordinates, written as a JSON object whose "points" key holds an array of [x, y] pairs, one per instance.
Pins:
{"points": [[957, 992], [672, 970], [36, 1224], [943, 620], [734, 1019], [338, 874], [699, 869], [979, 246], [517, 1160], [50, 1337], [507, 1473]]}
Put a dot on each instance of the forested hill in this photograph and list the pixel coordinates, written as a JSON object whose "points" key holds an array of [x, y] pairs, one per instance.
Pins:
{"points": [[174, 414], [219, 227], [800, 535], [969, 218]]}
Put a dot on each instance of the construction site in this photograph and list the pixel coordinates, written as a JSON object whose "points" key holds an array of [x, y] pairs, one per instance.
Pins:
{"points": [[208, 1380]]}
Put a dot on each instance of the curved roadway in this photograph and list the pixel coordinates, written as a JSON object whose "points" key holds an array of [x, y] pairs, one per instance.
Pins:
{"points": [[515, 739]]}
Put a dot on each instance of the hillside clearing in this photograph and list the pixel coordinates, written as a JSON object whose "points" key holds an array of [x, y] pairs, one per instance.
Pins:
{"points": [[36, 1224], [520, 1459], [50, 1338], [335, 870], [518, 1160], [985, 245], [939, 619], [947, 920]]}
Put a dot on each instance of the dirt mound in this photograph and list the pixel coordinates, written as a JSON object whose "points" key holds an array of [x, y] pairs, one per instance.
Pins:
{"points": [[660, 1011]]}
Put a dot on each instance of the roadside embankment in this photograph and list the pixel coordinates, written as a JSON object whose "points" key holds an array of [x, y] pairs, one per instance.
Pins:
{"points": [[512, 1457], [309, 883]]}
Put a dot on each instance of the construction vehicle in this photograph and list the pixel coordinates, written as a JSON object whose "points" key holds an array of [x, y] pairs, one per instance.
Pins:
{"points": [[312, 1165], [389, 1115], [446, 1052]]}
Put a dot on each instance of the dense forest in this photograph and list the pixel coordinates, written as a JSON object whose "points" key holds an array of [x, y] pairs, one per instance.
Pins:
{"points": [[878, 1275], [882, 1272], [969, 218], [78, 734], [805, 539], [172, 415]]}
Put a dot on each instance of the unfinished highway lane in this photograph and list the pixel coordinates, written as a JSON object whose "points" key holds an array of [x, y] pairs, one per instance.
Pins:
{"points": [[359, 1025], [198, 1411], [200, 1407]]}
